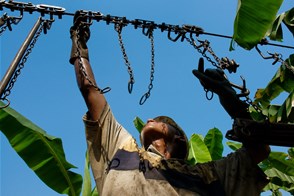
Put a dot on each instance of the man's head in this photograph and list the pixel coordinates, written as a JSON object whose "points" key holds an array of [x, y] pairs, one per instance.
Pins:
{"points": [[166, 136]]}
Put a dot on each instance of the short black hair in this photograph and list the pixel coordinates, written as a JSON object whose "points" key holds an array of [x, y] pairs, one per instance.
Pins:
{"points": [[180, 143]]}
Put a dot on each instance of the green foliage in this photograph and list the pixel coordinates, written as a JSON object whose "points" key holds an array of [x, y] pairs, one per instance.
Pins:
{"points": [[278, 167], [283, 81], [252, 21], [276, 32], [198, 151], [213, 141], [87, 185], [139, 124], [207, 149], [234, 145], [279, 180], [291, 153], [42, 153], [282, 162]]}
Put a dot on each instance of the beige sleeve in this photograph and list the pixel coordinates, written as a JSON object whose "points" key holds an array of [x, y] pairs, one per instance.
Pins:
{"points": [[103, 137], [239, 175]]}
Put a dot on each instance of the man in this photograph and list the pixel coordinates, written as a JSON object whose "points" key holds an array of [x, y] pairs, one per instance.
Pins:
{"points": [[121, 167]]}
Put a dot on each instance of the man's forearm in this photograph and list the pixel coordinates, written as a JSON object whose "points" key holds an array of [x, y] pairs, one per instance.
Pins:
{"points": [[95, 101]]}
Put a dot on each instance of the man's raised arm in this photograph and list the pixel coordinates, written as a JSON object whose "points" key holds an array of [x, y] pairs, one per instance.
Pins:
{"points": [[80, 34]]}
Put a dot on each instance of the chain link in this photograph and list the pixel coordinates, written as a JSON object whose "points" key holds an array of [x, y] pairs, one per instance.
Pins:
{"points": [[193, 43], [222, 63], [83, 69], [150, 86], [21, 65], [118, 28]]}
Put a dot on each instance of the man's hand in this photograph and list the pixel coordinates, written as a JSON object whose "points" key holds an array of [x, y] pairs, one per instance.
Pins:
{"points": [[216, 81]]}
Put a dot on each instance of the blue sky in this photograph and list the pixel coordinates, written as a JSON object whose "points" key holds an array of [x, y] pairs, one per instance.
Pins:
{"points": [[47, 94]]}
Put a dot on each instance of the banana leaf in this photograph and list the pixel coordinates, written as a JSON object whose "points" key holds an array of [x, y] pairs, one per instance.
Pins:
{"points": [[253, 20], [87, 185], [289, 20], [282, 162], [139, 124], [283, 81], [279, 180], [198, 151], [291, 153], [213, 140], [41, 152]]}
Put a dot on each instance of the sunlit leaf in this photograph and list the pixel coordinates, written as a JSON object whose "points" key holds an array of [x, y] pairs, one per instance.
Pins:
{"points": [[42, 153], [289, 20], [94, 192], [253, 19], [213, 141], [280, 180], [234, 145], [87, 185], [139, 124], [277, 31], [198, 151], [283, 81]]}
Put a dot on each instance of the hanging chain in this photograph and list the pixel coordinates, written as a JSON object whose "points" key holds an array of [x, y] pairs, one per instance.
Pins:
{"points": [[83, 69], [150, 86], [193, 43], [222, 63], [118, 28], [21, 66]]}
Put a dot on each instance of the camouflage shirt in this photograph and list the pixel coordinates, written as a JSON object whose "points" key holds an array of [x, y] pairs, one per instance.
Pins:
{"points": [[120, 167]]}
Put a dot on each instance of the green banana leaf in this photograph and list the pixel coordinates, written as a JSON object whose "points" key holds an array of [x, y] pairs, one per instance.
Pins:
{"points": [[214, 142], [234, 145], [279, 180], [42, 153], [252, 21], [282, 162], [289, 20], [198, 151], [139, 124], [291, 153], [283, 81], [87, 185], [286, 18]]}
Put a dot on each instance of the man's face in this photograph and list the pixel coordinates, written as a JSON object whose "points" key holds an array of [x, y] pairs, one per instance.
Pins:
{"points": [[160, 135]]}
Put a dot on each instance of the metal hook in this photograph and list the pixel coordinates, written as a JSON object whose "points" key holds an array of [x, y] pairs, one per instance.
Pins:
{"points": [[244, 91], [119, 26], [150, 28], [274, 56], [178, 33], [47, 25]]}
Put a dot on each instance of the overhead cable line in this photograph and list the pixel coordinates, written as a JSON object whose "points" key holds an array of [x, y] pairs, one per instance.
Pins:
{"points": [[175, 32]]}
